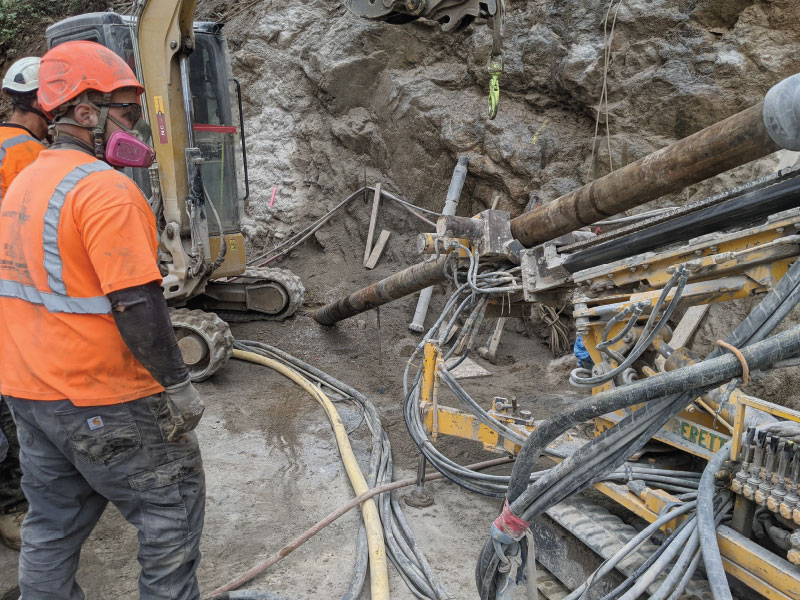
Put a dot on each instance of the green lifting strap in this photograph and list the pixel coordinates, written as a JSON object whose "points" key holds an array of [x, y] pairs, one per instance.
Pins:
{"points": [[494, 90], [496, 59]]}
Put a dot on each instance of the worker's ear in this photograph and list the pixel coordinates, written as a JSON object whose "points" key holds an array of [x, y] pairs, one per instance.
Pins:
{"points": [[86, 115]]}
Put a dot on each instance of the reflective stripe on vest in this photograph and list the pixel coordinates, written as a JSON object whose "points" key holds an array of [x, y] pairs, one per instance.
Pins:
{"points": [[9, 143], [52, 255], [55, 302], [57, 299]]}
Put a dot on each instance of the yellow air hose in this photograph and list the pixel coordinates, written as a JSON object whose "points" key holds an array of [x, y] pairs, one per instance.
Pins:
{"points": [[379, 574]]}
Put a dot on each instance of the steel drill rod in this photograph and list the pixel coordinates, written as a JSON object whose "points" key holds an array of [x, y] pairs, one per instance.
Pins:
{"points": [[730, 143], [450, 206], [737, 140], [407, 281]]}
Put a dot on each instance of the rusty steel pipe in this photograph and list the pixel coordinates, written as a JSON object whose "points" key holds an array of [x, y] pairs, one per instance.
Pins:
{"points": [[412, 279], [744, 137], [735, 141]]}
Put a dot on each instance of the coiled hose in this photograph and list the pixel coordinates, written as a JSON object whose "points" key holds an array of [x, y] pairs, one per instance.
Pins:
{"points": [[401, 546], [379, 580]]}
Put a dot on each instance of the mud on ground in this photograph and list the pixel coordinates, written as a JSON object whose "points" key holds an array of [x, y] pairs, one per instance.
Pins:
{"points": [[271, 461]]}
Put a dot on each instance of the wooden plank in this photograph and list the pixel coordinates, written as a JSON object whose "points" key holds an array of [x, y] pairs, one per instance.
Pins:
{"points": [[376, 202], [685, 329], [378, 249], [467, 369], [489, 351]]}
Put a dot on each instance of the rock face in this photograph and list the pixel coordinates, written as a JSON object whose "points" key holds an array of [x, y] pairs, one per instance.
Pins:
{"points": [[330, 98], [332, 101]]}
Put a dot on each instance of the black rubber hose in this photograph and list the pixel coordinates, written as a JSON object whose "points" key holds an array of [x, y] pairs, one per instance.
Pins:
{"points": [[675, 576], [768, 313], [696, 378], [477, 482], [546, 432], [582, 465], [631, 308], [574, 480], [598, 461], [628, 583], [359, 572], [706, 374], [712, 561], [475, 409], [649, 332], [689, 572], [402, 549]]}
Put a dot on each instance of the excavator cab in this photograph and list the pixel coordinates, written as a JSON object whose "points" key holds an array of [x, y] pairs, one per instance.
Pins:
{"points": [[218, 131]]}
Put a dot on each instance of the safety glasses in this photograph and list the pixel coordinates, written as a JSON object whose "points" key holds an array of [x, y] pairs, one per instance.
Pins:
{"points": [[133, 114]]}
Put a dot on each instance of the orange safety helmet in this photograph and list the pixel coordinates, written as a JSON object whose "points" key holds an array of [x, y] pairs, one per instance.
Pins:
{"points": [[72, 68]]}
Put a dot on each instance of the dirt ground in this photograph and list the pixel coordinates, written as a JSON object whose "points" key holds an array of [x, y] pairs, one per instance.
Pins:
{"points": [[271, 461]]}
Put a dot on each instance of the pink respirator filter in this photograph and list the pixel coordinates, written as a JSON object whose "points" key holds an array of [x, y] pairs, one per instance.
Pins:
{"points": [[125, 150]]}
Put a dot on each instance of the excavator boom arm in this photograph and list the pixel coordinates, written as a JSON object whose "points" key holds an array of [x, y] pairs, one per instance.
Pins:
{"points": [[165, 37]]}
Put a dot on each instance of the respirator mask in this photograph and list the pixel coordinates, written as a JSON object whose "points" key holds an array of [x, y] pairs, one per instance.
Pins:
{"points": [[126, 147]]}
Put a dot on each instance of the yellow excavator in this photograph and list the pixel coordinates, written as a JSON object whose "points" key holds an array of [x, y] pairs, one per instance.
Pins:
{"points": [[198, 187], [195, 187]]}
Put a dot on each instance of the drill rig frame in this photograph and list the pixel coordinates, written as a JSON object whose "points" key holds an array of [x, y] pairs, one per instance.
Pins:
{"points": [[624, 286]]}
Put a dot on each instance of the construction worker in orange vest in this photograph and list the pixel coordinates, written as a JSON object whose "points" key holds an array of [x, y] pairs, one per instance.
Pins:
{"points": [[19, 145], [90, 366], [21, 135]]}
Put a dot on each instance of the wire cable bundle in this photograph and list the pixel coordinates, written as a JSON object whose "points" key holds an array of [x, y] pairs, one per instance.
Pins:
{"points": [[664, 396], [464, 299], [401, 545]]}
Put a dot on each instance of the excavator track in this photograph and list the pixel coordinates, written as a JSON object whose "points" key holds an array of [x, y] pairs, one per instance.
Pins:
{"points": [[601, 534], [281, 287], [205, 340]]}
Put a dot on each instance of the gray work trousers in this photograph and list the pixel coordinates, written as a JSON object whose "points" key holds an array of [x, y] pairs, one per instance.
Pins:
{"points": [[77, 459]]}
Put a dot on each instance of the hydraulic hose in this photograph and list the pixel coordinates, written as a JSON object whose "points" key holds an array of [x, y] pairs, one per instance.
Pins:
{"points": [[400, 544], [634, 543], [758, 324], [649, 332], [667, 554], [712, 561], [686, 576], [663, 397], [379, 573], [700, 376], [676, 573]]}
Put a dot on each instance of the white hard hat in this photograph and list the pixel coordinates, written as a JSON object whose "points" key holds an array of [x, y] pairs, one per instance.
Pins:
{"points": [[23, 76]]}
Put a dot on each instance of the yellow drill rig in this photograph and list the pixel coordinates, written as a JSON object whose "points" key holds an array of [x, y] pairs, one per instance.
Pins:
{"points": [[711, 471], [195, 186]]}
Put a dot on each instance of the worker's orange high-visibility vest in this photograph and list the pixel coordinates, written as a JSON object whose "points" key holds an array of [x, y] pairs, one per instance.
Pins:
{"points": [[72, 230], [18, 149]]}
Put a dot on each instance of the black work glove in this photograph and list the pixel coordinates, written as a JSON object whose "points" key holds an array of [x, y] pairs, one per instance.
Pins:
{"points": [[185, 408]]}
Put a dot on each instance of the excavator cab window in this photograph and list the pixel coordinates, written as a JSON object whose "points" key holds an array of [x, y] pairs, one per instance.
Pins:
{"points": [[214, 130], [210, 82]]}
